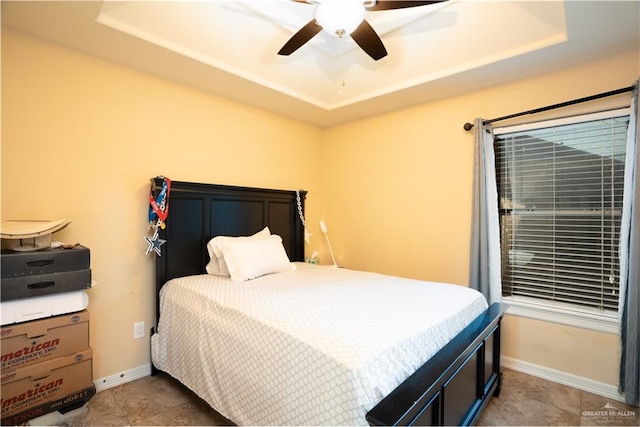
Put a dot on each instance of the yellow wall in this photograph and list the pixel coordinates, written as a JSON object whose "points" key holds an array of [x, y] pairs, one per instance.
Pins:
{"points": [[398, 198], [81, 137]]}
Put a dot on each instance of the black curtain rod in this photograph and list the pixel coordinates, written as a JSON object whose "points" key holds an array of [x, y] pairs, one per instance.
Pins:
{"points": [[468, 126]]}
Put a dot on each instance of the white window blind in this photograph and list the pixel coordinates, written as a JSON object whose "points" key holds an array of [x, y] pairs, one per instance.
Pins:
{"points": [[560, 185]]}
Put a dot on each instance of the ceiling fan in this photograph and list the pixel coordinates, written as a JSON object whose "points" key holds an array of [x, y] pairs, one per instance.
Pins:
{"points": [[346, 17]]}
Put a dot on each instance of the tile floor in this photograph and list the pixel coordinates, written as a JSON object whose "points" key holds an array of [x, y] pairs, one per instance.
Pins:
{"points": [[524, 400], [530, 401]]}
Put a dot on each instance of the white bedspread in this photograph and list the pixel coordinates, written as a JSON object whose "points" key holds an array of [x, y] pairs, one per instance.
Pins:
{"points": [[316, 346]]}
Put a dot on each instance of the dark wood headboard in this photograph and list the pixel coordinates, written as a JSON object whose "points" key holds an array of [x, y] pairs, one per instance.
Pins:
{"points": [[199, 212]]}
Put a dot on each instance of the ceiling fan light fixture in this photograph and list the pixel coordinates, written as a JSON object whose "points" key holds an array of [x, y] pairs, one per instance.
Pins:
{"points": [[340, 17]]}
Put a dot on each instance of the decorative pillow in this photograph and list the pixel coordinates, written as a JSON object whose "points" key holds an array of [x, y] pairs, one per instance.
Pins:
{"points": [[251, 258], [216, 263]]}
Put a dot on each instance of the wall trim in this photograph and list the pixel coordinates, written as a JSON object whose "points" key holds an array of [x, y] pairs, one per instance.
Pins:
{"points": [[575, 381], [123, 377], [564, 314]]}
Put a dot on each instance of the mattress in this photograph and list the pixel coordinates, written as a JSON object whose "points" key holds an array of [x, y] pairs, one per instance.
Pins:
{"points": [[315, 346]]}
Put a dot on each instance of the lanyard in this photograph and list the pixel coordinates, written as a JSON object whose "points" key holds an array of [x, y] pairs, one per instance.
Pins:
{"points": [[159, 206]]}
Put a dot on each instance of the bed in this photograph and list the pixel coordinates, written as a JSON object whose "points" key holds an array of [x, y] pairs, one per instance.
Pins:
{"points": [[312, 345]]}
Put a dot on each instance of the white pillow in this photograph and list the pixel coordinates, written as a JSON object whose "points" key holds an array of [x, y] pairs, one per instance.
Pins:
{"points": [[251, 258], [216, 263]]}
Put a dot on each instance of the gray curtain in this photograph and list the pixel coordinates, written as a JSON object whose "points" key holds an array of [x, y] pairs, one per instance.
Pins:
{"points": [[629, 307], [484, 266]]}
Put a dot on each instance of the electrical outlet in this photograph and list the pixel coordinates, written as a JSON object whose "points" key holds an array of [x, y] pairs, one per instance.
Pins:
{"points": [[138, 330]]}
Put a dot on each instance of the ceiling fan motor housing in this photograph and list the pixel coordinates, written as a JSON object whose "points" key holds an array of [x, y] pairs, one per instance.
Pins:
{"points": [[340, 17]]}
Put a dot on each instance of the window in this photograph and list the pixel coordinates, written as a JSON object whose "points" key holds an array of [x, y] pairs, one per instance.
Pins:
{"points": [[560, 185]]}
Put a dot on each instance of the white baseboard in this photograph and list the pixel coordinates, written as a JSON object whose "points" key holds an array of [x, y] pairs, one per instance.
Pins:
{"points": [[581, 383], [123, 377]]}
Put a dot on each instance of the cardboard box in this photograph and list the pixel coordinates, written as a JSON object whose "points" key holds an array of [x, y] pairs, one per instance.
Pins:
{"points": [[24, 344], [34, 390], [62, 405]]}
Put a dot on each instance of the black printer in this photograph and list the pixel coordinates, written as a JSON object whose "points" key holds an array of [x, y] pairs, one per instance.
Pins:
{"points": [[44, 272]]}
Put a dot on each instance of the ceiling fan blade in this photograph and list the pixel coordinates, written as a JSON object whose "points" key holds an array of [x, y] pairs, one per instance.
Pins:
{"points": [[303, 35], [367, 38], [398, 4]]}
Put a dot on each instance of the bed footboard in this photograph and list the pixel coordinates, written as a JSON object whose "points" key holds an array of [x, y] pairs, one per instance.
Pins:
{"points": [[454, 386]]}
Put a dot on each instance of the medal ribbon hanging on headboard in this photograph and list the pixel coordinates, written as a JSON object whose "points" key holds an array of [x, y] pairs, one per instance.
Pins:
{"points": [[158, 212]]}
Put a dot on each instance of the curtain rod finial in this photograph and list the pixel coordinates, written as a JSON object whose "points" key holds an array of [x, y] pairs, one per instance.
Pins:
{"points": [[468, 126]]}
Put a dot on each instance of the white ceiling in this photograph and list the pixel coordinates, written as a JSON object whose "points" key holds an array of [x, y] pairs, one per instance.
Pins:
{"points": [[229, 47]]}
